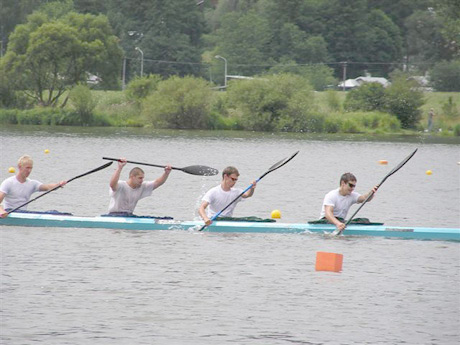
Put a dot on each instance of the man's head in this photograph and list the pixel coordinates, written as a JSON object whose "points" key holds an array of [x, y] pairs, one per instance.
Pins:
{"points": [[25, 166], [230, 176], [348, 182], [136, 177]]}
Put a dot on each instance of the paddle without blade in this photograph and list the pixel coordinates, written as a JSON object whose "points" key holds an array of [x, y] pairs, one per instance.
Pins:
{"points": [[395, 169], [200, 170], [73, 178], [272, 168]]}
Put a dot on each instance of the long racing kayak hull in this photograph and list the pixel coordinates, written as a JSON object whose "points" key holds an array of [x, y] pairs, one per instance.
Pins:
{"points": [[141, 223]]}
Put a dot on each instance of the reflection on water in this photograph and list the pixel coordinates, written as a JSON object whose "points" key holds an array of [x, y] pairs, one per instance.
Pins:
{"points": [[421, 138]]}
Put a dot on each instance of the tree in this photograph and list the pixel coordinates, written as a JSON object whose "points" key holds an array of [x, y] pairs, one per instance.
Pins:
{"points": [[279, 102], [425, 43], [449, 13], [355, 34], [244, 40], [320, 76], [445, 76], [383, 42], [168, 32], [367, 97], [404, 100], [179, 103], [47, 56]]}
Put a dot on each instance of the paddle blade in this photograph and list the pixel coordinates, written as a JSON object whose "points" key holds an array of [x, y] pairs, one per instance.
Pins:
{"points": [[400, 165], [200, 170], [279, 164]]}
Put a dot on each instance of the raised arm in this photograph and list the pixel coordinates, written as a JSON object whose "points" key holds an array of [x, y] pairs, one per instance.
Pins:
{"points": [[116, 174], [162, 179]]}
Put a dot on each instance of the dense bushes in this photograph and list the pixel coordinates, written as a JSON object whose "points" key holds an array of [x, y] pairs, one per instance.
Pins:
{"points": [[47, 116], [84, 103], [401, 99], [140, 87], [179, 103], [278, 102]]}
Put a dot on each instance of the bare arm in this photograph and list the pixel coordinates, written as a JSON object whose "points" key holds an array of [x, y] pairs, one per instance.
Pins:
{"points": [[49, 186], [329, 213], [250, 191], [202, 212], [116, 174], [162, 179], [3, 213], [370, 194]]}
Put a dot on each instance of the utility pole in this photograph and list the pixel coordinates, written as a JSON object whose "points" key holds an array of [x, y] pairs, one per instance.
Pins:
{"points": [[344, 77]]}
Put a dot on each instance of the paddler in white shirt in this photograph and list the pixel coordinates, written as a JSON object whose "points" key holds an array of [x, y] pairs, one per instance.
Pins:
{"points": [[219, 197], [17, 190], [338, 201], [124, 195]]}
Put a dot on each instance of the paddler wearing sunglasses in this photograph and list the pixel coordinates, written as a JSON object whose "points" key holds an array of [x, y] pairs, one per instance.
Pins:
{"points": [[338, 201]]}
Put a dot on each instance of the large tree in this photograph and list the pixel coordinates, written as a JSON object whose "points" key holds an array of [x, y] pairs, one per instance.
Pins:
{"points": [[47, 56], [167, 32], [355, 34]]}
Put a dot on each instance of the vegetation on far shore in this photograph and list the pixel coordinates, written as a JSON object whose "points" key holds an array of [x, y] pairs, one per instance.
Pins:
{"points": [[273, 103]]}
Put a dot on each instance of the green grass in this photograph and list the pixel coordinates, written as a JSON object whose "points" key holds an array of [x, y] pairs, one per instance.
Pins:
{"points": [[446, 106]]}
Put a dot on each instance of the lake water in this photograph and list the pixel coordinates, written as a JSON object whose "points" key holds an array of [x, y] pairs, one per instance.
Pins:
{"points": [[81, 286]]}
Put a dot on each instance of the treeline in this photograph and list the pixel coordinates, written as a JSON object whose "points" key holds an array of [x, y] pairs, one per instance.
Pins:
{"points": [[182, 37], [50, 50], [282, 102]]}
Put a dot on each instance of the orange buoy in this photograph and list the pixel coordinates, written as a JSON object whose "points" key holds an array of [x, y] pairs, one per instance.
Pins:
{"points": [[383, 162], [329, 262]]}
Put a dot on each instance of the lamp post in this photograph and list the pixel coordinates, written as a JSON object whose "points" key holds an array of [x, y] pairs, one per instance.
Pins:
{"points": [[142, 60], [225, 60]]}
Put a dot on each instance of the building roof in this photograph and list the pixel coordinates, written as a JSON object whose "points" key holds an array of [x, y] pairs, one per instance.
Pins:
{"points": [[353, 83]]}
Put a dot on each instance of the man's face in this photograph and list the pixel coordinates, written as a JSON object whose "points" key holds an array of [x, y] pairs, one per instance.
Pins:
{"points": [[25, 169], [231, 180], [348, 187], [137, 180]]}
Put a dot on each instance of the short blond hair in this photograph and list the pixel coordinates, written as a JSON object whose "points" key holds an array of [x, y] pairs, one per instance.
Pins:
{"points": [[25, 159]]}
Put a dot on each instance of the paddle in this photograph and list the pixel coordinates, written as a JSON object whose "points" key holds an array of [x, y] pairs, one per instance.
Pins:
{"points": [[272, 168], [395, 169], [200, 170], [73, 178]]}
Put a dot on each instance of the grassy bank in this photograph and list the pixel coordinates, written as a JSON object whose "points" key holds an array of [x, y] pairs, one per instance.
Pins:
{"points": [[113, 109]]}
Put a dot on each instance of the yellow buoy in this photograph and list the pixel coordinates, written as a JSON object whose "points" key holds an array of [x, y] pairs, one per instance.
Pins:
{"points": [[428, 172], [383, 162], [47, 151], [276, 214], [11, 170]]}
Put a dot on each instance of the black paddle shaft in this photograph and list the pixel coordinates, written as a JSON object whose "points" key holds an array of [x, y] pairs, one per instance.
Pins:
{"points": [[51, 190], [395, 169], [272, 168], [200, 170]]}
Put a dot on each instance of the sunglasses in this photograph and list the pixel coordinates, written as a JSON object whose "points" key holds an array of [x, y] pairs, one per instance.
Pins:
{"points": [[232, 178], [351, 185]]}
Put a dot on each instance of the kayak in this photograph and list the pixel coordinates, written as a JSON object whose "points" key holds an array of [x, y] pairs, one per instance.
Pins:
{"points": [[146, 223]]}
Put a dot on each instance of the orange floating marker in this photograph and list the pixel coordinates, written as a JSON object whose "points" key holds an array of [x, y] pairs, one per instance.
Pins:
{"points": [[329, 262], [383, 162]]}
